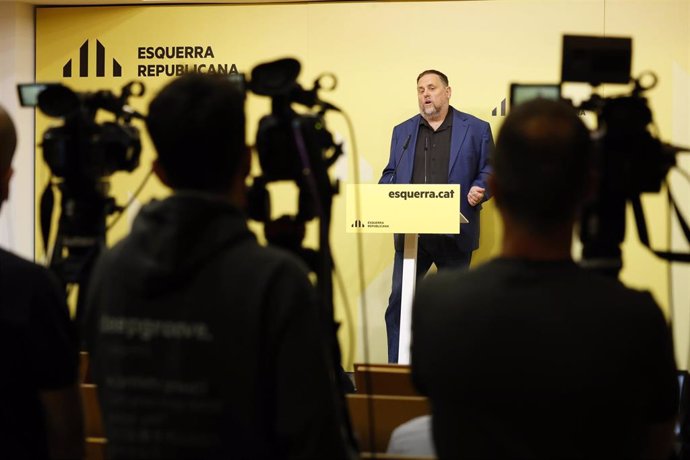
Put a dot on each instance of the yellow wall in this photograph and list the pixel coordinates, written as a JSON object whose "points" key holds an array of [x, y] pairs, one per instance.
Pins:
{"points": [[680, 135], [376, 49]]}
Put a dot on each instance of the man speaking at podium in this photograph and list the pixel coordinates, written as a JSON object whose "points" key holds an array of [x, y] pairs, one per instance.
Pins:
{"points": [[441, 145]]}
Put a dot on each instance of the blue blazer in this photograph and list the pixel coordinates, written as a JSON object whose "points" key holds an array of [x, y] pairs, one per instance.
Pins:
{"points": [[470, 148]]}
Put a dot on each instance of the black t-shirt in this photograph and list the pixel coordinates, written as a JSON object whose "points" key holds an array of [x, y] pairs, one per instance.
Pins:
{"points": [[540, 360], [38, 351]]}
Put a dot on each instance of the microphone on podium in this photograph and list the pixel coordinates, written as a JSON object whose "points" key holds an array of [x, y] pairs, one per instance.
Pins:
{"points": [[404, 149]]}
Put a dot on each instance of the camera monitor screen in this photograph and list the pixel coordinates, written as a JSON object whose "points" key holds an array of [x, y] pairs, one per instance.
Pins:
{"points": [[520, 93], [596, 60], [28, 93]]}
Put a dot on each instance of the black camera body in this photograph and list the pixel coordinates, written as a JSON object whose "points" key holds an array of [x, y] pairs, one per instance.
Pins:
{"points": [[630, 159], [83, 149], [294, 147], [82, 154], [91, 152]]}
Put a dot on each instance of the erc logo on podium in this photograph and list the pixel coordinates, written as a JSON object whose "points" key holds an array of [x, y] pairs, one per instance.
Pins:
{"points": [[370, 224]]}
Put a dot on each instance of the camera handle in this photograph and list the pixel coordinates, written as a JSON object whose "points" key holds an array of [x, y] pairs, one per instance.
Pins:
{"points": [[644, 235]]}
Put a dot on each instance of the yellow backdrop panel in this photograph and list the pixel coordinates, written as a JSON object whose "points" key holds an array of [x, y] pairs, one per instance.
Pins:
{"points": [[376, 50]]}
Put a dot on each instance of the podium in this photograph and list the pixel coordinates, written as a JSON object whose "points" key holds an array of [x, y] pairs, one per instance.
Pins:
{"points": [[410, 209]]}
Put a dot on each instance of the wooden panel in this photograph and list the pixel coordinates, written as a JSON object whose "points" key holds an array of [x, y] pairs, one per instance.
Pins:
{"points": [[95, 449], [389, 412], [384, 379], [93, 423], [382, 456], [84, 370]]}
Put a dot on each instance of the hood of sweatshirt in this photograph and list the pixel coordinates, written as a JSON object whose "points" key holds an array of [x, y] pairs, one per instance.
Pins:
{"points": [[173, 238]]}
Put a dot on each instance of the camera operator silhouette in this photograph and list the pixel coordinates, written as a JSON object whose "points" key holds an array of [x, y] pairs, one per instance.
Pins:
{"points": [[205, 344], [530, 355], [41, 411]]}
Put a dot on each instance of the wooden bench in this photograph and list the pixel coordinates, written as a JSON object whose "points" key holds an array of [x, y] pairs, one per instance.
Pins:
{"points": [[95, 449], [384, 379], [93, 422], [389, 412], [84, 369], [382, 456]]}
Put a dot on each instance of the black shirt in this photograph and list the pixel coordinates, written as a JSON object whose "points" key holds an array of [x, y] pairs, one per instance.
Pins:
{"points": [[38, 352], [531, 359], [432, 152]]}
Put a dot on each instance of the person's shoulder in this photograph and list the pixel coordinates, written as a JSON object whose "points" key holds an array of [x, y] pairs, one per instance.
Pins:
{"points": [[32, 292], [410, 122], [281, 258], [600, 294], [470, 119], [270, 260], [616, 295], [15, 269], [445, 286], [10, 262], [463, 276], [110, 258]]}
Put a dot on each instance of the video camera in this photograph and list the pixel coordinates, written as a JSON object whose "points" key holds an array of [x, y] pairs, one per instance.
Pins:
{"points": [[83, 148], [297, 147], [82, 153], [630, 159], [294, 147]]}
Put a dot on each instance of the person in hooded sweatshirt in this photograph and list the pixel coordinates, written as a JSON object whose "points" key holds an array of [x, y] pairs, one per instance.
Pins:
{"points": [[205, 344]]}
